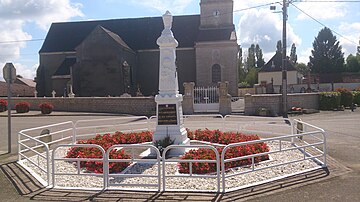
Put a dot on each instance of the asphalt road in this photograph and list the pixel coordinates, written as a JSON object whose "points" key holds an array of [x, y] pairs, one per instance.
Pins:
{"points": [[343, 144]]}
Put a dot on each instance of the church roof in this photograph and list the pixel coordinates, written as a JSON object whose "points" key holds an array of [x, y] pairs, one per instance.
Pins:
{"points": [[116, 37], [133, 33], [274, 64], [64, 68], [138, 33]]}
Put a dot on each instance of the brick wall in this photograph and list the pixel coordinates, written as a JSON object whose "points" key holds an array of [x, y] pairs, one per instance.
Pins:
{"points": [[125, 105], [272, 102]]}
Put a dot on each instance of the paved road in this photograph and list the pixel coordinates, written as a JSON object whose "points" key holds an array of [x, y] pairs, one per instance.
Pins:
{"points": [[35, 119], [343, 142]]}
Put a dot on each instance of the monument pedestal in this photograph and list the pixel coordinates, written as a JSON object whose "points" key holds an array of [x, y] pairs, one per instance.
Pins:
{"points": [[170, 122]]}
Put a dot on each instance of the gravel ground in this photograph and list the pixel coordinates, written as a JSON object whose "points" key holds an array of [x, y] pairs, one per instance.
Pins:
{"points": [[171, 169]]}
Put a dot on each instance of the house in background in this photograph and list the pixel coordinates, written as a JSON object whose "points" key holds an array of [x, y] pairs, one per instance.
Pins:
{"points": [[17, 89], [270, 75], [113, 57]]}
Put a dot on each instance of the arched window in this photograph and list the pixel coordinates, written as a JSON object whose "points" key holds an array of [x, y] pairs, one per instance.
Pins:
{"points": [[216, 73]]}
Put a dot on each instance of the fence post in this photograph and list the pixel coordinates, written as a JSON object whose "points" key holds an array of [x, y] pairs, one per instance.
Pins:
{"points": [[224, 99], [188, 98]]}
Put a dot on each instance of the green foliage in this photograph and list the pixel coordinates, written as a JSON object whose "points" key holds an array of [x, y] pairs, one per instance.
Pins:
{"points": [[329, 100], [162, 144], [279, 46], [327, 55], [260, 62], [252, 76], [352, 63], [356, 95], [243, 84], [346, 97], [302, 68], [241, 70], [293, 56], [250, 60]]}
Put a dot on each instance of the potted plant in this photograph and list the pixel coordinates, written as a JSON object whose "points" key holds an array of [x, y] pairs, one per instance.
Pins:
{"points": [[22, 107], [3, 105], [46, 108]]}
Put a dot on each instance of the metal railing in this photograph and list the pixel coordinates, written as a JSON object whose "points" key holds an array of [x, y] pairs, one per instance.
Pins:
{"points": [[88, 128], [306, 138], [78, 160], [38, 141], [190, 162], [157, 161], [206, 95]]}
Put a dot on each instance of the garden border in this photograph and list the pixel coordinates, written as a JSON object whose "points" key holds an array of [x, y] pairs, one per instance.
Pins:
{"points": [[307, 130]]}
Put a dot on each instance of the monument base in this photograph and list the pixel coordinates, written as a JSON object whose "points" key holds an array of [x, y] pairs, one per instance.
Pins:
{"points": [[176, 134]]}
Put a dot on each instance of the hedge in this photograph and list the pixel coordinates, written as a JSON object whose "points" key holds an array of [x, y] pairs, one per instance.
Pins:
{"points": [[356, 99], [329, 100]]}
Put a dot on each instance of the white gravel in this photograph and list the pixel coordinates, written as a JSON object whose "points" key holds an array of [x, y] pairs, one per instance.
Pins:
{"points": [[171, 169]]}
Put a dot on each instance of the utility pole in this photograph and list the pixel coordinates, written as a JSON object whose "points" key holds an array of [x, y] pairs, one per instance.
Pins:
{"points": [[283, 64]]}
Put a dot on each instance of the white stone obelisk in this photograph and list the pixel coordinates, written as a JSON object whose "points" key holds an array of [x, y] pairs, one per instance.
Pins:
{"points": [[169, 108]]}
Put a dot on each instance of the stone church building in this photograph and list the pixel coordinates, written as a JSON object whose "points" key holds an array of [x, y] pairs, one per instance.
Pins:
{"points": [[113, 57]]}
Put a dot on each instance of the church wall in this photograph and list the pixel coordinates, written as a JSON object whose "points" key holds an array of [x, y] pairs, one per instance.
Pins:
{"points": [[148, 69], [222, 53], [59, 84], [99, 68], [50, 63]]}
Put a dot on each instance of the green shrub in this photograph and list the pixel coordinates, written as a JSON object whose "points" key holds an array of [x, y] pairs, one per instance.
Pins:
{"points": [[356, 95], [346, 97], [329, 100]]}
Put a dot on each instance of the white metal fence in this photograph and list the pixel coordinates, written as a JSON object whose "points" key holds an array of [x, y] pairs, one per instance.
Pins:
{"points": [[206, 99], [298, 136]]}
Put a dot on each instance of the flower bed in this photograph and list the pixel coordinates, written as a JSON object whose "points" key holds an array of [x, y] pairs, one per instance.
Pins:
{"points": [[46, 108], [216, 136], [3, 105], [106, 141], [22, 107]]}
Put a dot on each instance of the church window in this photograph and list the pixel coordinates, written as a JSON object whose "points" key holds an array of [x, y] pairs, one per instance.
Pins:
{"points": [[216, 73]]}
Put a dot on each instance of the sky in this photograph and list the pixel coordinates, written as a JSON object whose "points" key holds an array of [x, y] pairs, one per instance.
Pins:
{"points": [[24, 23]]}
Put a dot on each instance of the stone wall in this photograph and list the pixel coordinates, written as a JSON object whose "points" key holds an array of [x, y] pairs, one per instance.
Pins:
{"points": [[123, 105], [272, 102]]}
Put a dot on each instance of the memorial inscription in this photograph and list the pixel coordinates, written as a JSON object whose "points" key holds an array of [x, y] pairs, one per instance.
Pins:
{"points": [[167, 114]]}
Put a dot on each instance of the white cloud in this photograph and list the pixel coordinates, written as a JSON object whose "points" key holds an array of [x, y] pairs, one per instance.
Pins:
{"points": [[42, 12], [322, 11], [14, 14], [265, 28], [244, 4], [304, 55], [174, 6], [351, 33]]}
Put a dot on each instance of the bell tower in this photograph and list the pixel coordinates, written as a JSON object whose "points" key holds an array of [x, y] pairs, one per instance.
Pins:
{"points": [[216, 13]]}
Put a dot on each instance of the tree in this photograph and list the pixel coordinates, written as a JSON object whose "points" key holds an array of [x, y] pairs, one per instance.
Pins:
{"points": [[327, 56], [279, 47], [302, 68], [353, 63], [241, 67], [293, 56], [259, 57], [250, 60], [252, 76]]}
